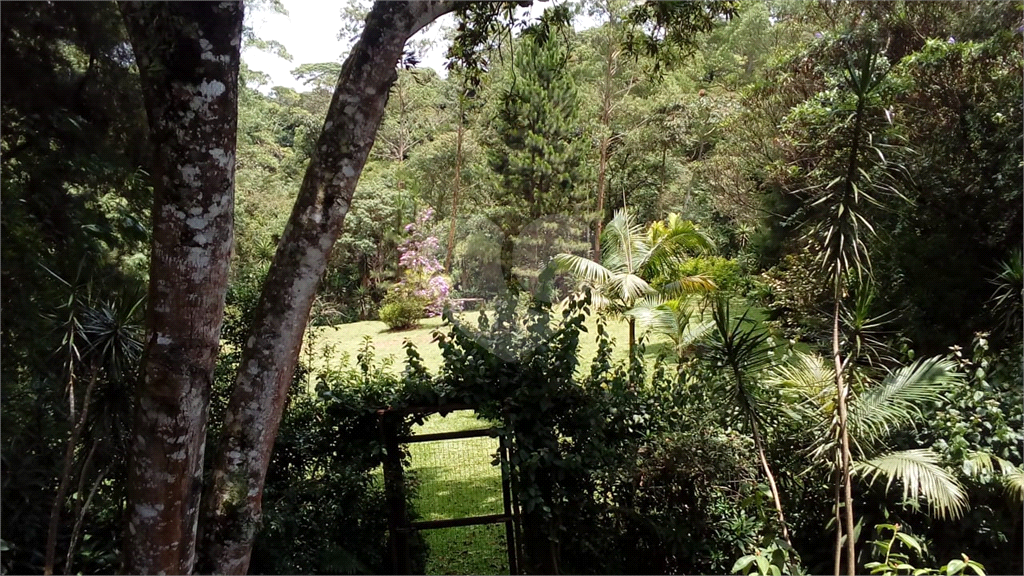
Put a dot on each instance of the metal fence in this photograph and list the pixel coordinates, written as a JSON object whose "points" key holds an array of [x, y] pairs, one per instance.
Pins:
{"points": [[459, 498]]}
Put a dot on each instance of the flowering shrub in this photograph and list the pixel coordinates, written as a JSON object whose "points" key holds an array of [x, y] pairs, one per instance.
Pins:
{"points": [[401, 314], [422, 278]]}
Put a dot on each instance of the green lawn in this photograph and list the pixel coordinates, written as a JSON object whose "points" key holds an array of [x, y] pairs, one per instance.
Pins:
{"points": [[457, 480], [344, 340]]}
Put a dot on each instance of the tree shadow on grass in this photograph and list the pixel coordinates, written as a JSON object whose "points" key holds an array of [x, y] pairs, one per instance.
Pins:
{"points": [[443, 494]]}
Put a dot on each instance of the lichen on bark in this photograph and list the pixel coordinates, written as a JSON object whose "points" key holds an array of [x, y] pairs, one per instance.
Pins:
{"points": [[191, 105], [270, 355]]}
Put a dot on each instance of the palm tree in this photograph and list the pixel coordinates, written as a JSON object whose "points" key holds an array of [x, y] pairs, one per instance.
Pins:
{"points": [[631, 258], [878, 411]]}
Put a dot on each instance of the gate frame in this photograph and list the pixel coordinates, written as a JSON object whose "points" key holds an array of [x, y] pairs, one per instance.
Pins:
{"points": [[399, 524]]}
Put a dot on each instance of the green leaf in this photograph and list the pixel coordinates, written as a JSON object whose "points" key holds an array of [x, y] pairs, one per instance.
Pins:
{"points": [[909, 540], [741, 565], [955, 567], [762, 564], [922, 478]]}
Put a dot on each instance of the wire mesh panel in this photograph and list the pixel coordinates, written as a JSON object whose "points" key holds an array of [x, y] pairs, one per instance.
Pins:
{"points": [[467, 550], [461, 504], [455, 478]]}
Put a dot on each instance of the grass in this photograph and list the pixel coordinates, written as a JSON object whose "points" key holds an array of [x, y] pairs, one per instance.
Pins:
{"points": [[457, 479], [341, 343]]}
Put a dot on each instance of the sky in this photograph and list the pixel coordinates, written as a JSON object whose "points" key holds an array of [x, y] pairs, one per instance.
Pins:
{"points": [[310, 34]]}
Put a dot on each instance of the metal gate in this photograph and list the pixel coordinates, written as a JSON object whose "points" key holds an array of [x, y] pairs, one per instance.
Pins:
{"points": [[399, 524]]}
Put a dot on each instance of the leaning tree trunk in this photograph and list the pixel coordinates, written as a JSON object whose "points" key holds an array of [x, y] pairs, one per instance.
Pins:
{"points": [[188, 57], [233, 501], [773, 487]]}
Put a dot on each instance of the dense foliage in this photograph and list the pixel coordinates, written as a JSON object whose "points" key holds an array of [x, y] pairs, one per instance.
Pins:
{"points": [[791, 194]]}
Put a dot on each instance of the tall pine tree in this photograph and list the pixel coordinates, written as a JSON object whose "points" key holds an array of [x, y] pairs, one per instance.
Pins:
{"points": [[539, 156]]}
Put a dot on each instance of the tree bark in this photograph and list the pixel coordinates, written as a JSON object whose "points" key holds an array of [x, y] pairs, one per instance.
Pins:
{"points": [[232, 506], [841, 390], [188, 57]]}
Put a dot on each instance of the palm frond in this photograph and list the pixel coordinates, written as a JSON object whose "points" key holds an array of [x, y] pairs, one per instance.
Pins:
{"points": [[922, 479], [1014, 484], [983, 463], [807, 378], [979, 463], [619, 240], [690, 285], [653, 313], [628, 288], [895, 403], [583, 268]]}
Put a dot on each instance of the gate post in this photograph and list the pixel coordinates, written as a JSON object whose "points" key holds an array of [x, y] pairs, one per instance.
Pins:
{"points": [[394, 492], [512, 523]]}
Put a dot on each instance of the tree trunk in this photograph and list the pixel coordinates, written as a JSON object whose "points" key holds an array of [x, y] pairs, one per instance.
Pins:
{"points": [[76, 532], [841, 390], [605, 142], [602, 171], [455, 190], [837, 485], [188, 58], [232, 506], [65, 477], [759, 445], [632, 336]]}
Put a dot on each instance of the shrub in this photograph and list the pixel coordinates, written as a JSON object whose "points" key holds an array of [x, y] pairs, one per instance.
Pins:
{"points": [[422, 278], [725, 273], [402, 313], [322, 489]]}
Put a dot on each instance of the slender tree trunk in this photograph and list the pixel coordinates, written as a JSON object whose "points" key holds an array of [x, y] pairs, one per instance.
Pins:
{"points": [[664, 173], [455, 189], [837, 484], [233, 502], [605, 142], [77, 531], [602, 169], [632, 335], [65, 478], [188, 58], [82, 475], [841, 390], [759, 445]]}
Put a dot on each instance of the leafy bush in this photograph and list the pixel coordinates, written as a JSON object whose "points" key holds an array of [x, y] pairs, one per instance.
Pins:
{"points": [[724, 272], [893, 560], [401, 313], [321, 487]]}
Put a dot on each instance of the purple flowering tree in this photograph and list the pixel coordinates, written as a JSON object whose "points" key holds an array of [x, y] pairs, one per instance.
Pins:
{"points": [[421, 277]]}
